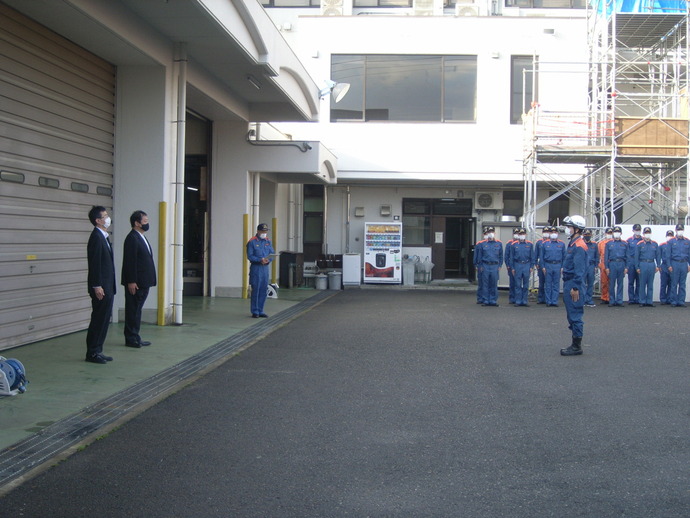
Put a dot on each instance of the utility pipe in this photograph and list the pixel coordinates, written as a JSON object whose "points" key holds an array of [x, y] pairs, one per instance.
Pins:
{"points": [[178, 244]]}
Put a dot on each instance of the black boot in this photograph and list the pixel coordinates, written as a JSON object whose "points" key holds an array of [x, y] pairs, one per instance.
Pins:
{"points": [[574, 349]]}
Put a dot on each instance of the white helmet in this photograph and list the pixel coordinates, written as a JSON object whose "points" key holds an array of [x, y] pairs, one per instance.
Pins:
{"points": [[575, 221]]}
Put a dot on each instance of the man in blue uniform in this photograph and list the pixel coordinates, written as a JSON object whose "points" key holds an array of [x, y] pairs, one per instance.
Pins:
{"points": [[616, 260], [491, 261], [592, 262], [574, 268], [477, 260], [633, 277], [545, 236], [259, 251], [511, 274], [521, 263], [664, 275], [678, 257], [551, 258], [647, 263]]}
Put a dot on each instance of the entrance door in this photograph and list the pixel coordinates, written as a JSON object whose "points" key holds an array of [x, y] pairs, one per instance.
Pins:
{"points": [[452, 241]]}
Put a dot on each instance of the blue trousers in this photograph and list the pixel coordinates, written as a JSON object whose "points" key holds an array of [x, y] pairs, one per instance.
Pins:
{"points": [[664, 285], [258, 280], [646, 276], [553, 283], [521, 283], [589, 283], [490, 283], [616, 276], [480, 285], [678, 278], [541, 298], [574, 310], [633, 286]]}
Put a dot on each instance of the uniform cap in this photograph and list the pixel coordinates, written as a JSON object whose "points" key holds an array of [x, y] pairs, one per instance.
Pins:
{"points": [[617, 229], [485, 230], [522, 231], [608, 230], [587, 232], [490, 229], [262, 226], [669, 233], [516, 230], [647, 230], [637, 226], [680, 226]]}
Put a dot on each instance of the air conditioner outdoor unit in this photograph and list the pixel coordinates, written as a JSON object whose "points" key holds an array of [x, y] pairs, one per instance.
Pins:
{"points": [[488, 200], [423, 7], [467, 9], [332, 7]]}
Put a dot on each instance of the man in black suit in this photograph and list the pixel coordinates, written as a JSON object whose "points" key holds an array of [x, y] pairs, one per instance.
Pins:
{"points": [[101, 284], [138, 275]]}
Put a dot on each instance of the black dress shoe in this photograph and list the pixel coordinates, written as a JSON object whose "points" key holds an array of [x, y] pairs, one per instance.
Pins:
{"points": [[144, 342], [136, 346], [96, 358], [106, 358], [263, 315], [255, 316]]}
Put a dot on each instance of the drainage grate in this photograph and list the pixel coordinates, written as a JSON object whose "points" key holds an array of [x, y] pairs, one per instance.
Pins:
{"points": [[20, 458]]}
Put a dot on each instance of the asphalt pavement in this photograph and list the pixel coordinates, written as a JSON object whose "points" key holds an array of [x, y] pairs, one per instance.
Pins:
{"points": [[387, 403]]}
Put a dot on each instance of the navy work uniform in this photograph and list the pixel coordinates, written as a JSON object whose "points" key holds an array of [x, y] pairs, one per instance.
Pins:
{"points": [[521, 262], [633, 277], [477, 260], [491, 261], [541, 298], [574, 269], [259, 250], [616, 260], [592, 262], [647, 263], [664, 274], [678, 257], [511, 274], [551, 259]]}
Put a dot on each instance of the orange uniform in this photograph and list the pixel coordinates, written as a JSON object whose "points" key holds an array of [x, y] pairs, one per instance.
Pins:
{"points": [[603, 278]]}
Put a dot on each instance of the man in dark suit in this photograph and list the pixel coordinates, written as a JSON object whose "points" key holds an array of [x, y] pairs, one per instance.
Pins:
{"points": [[101, 285], [138, 275]]}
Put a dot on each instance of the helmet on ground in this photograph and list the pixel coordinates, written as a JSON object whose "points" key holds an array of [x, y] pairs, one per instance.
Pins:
{"points": [[577, 222]]}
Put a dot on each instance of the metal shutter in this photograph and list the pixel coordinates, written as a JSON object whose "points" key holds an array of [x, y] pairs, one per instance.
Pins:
{"points": [[56, 161]]}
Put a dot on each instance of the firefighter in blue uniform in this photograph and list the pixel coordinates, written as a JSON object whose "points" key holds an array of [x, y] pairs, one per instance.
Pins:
{"points": [[551, 259], [647, 263], [678, 257], [616, 261], [664, 275], [491, 261], [521, 263], [574, 268], [511, 274], [477, 260], [259, 251], [546, 235], [592, 262], [633, 276]]}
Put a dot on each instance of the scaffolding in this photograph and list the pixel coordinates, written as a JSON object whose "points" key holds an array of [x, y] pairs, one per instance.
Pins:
{"points": [[630, 148]]}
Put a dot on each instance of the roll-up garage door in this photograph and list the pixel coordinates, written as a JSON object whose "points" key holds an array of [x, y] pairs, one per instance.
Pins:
{"points": [[56, 161]]}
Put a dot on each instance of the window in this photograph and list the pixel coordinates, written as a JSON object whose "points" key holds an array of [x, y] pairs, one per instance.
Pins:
{"points": [[513, 203], [382, 3], [291, 3], [547, 4], [417, 214], [406, 88], [521, 86], [559, 208]]}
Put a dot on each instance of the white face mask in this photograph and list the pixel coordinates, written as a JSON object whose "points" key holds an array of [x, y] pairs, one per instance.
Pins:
{"points": [[554, 236], [516, 236], [637, 233], [490, 235], [616, 235], [609, 236], [648, 236], [522, 237], [107, 222], [263, 236], [546, 236], [568, 231], [679, 233]]}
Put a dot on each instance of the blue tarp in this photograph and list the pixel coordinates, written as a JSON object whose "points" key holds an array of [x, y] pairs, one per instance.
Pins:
{"points": [[641, 6]]}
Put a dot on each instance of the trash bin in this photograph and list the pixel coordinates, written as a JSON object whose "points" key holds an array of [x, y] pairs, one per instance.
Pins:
{"points": [[408, 272], [335, 280], [321, 282]]}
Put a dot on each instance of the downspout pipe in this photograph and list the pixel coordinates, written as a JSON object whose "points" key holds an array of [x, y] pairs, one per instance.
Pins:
{"points": [[178, 244]]}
